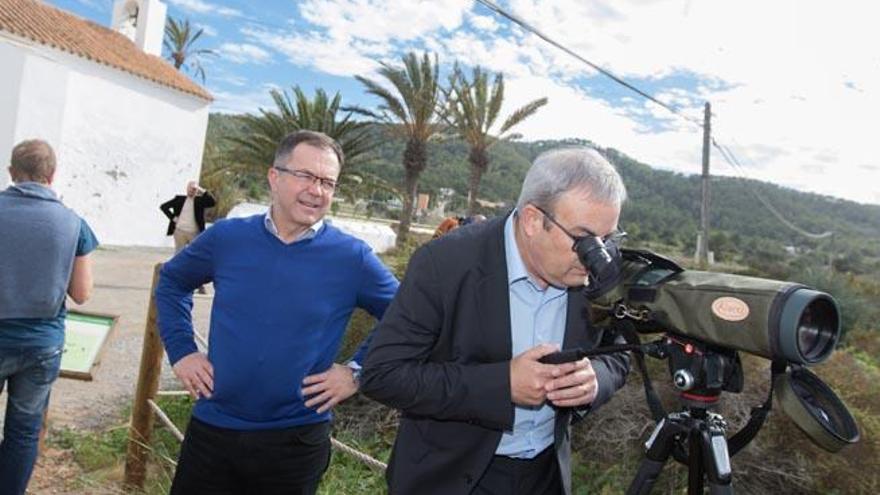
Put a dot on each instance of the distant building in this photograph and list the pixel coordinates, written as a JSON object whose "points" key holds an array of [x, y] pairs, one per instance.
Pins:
{"points": [[484, 203], [128, 129]]}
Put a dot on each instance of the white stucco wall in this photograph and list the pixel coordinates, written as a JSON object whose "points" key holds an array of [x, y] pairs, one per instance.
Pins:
{"points": [[12, 63], [124, 144]]}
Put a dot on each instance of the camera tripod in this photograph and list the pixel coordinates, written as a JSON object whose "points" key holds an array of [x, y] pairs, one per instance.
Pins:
{"points": [[695, 436]]}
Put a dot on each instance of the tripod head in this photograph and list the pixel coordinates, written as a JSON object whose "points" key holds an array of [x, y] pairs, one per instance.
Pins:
{"points": [[695, 436], [699, 371]]}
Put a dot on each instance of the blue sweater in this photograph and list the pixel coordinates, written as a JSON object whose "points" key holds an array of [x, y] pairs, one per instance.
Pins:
{"points": [[279, 314]]}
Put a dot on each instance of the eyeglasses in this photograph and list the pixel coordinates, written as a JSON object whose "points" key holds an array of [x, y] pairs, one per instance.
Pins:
{"points": [[327, 185], [613, 238]]}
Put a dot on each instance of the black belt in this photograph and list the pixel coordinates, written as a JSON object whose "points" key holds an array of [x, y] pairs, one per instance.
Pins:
{"points": [[538, 462]]}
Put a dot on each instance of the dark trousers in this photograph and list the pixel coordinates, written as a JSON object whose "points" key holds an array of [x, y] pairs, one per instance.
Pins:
{"points": [[507, 476], [219, 461]]}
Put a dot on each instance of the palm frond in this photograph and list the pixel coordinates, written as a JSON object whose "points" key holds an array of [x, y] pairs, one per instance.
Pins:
{"points": [[296, 111], [522, 113]]}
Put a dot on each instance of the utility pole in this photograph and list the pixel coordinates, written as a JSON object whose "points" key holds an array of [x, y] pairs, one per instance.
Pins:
{"points": [[703, 248]]}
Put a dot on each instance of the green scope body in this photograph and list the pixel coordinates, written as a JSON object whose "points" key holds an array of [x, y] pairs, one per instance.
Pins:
{"points": [[769, 318]]}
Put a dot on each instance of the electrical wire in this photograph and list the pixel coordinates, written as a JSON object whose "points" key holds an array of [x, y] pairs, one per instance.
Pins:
{"points": [[734, 163], [528, 27]]}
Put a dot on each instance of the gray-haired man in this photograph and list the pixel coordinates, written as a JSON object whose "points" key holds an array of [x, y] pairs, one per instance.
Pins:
{"points": [[458, 350]]}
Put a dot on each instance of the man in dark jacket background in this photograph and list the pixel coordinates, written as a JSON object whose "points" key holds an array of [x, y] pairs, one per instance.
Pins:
{"points": [[186, 214]]}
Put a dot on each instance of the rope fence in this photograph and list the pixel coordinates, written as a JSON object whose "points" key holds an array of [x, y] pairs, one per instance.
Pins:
{"points": [[361, 456], [145, 409], [165, 419]]}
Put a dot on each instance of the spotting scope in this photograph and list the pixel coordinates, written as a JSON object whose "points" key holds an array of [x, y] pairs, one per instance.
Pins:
{"points": [[768, 318]]}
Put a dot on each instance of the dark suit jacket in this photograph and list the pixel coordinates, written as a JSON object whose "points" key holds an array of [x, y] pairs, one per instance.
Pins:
{"points": [[172, 207], [441, 355]]}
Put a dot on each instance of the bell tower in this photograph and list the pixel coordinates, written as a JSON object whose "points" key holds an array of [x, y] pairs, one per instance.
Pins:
{"points": [[141, 21]]}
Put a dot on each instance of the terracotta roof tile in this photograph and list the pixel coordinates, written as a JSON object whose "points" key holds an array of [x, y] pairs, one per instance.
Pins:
{"points": [[55, 28]]}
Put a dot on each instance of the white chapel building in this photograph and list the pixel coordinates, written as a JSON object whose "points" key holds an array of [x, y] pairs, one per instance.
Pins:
{"points": [[128, 129]]}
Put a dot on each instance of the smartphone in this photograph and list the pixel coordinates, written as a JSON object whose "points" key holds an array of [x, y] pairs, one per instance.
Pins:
{"points": [[560, 357]]}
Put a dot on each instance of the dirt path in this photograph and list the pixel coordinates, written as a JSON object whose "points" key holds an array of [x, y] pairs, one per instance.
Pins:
{"points": [[122, 282]]}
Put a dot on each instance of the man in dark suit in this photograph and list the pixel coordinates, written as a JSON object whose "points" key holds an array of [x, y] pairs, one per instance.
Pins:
{"points": [[186, 214], [458, 350]]}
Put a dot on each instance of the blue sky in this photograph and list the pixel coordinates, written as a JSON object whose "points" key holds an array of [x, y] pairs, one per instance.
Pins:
{"points": [[794, 86]]}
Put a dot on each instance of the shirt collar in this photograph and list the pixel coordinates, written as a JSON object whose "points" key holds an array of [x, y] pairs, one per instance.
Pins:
{"points": [[307, 234], [516, 269], [34, 190]]}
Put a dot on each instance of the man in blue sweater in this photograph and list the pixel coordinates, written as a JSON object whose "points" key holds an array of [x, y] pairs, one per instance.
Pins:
{"points": [[286, 284], [44, 256]]}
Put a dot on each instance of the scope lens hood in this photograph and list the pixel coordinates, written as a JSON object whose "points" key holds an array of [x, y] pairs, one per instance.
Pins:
{"points": [[816, 409], [809, 326]]}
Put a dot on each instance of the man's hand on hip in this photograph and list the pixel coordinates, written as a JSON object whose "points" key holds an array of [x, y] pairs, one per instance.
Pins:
{"points": [[528, 377], [196, 373], [329, 388], [578, 387]]}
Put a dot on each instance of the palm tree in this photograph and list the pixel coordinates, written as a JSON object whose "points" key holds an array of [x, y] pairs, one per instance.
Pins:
{"points": [[179, 40], [472, 110], [411, 109], [254, 147]]}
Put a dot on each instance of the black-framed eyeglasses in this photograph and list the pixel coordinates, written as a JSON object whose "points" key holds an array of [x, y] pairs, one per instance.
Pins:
{"points": [[613, 238], [327, 185]]}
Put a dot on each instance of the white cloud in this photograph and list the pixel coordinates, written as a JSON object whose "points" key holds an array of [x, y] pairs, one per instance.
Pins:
{"points": [[351, 35], [246, 102], [483, 22], [230, 79], [203, 7], [243, 53], [331, 56], [209, 30], [378, 20]]}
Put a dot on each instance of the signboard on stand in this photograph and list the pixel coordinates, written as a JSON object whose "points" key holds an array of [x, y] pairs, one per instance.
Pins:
{"points": [[86, 335]]}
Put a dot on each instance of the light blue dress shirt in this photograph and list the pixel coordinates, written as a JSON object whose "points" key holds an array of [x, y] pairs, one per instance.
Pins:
{"points": [[537, 316], [273, 229]]}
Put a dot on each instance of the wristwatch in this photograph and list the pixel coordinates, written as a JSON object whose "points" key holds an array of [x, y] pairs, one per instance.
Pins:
{"points": [[355, 374]]}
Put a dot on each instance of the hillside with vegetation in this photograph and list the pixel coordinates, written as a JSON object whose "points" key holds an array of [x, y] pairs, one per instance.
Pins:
{"points": [[663, 208]]}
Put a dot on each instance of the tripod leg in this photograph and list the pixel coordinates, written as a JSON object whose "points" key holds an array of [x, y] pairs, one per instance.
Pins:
{"points": [[695, 461], [658, 448], [716, 461]]}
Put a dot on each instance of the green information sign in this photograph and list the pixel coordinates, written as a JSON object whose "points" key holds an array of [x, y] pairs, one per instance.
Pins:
{"points": [[85, 336]]}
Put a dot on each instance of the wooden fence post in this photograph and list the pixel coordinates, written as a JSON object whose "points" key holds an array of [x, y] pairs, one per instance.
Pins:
{"points": [[141, 429]]}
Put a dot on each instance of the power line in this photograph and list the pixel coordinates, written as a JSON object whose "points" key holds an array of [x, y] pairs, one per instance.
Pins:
{"points": [[528, 27], [734, 163]]}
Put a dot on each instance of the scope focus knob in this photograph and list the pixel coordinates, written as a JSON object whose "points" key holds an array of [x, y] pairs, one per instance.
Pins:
{"points": [[683, 379]]}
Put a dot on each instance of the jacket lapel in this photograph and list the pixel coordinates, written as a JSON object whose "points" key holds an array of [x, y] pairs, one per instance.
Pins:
{"points": [[493, 298], [575, 320], [575, 336]]}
